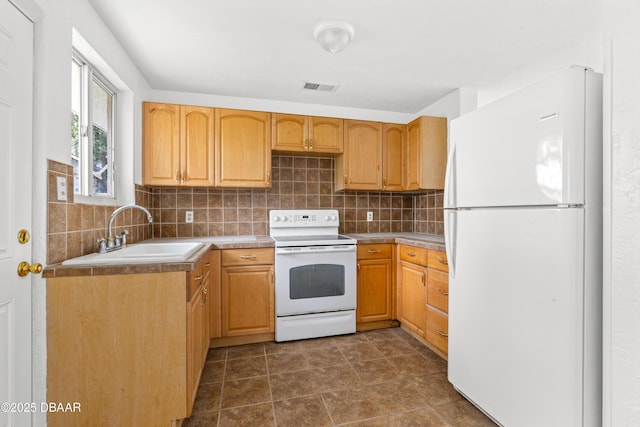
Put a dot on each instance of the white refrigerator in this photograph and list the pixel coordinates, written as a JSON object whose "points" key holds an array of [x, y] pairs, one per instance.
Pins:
{"points": [[523, 230]]}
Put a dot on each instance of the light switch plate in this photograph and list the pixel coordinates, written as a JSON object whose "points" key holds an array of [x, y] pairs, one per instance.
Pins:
{"points": [[61, 187]]}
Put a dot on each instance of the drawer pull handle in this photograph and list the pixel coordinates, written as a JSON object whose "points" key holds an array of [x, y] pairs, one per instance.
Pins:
{"points": [[247, 257], [441, 292], [411, 253], [374, 251], [207, 264], [443, 261], [439, 332], [198, 277]]}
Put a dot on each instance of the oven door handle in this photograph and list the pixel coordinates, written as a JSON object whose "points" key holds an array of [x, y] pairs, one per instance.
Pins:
{"points": [[315, 250]]}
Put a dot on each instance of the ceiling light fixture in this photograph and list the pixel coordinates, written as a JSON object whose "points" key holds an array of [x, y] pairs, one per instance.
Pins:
{"points": [[333, 36]]}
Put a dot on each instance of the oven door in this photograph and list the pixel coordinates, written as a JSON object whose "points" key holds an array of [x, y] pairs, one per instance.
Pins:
{"points": [[315, 279]]}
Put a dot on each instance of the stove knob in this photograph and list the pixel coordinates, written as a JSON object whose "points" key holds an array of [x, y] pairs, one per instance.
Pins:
{"points": [[327, 218], [285, 219], [276, 219], [334, 218]]}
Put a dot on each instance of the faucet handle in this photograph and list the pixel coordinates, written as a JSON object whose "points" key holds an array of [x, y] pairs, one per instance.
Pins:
{"points": [[123, 238], [102, 245]]}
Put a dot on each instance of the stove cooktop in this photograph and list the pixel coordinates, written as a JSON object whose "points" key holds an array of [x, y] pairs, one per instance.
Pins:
{"points": [[314, 240]]}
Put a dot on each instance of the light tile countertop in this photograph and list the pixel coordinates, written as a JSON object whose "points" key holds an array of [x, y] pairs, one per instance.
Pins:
{"points": [[427, 241]]}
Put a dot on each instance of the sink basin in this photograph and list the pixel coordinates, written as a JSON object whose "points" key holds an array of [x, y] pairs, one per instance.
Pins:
{"points": [[140, 253]]}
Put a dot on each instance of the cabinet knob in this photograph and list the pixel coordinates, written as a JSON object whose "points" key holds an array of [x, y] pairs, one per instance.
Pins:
{"points": [[439, 332], [443, 293], [442, 261]]}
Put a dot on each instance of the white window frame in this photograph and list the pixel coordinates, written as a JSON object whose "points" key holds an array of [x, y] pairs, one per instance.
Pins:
{"points": [[90, 74]]}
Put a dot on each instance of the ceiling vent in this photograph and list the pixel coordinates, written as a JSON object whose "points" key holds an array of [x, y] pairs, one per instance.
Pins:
{"points": [[320, 87]]}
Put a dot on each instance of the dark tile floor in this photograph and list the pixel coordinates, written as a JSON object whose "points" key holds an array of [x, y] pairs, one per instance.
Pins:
{"points": [[375, 378]]}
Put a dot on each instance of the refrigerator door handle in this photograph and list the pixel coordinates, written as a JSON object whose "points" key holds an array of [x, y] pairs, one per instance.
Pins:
{"points": [[450, 237], [449, 178]]}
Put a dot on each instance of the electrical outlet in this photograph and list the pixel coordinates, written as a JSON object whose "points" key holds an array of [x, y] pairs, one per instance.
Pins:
{"points": [[188, 217], [369, 216], [61, 182]]}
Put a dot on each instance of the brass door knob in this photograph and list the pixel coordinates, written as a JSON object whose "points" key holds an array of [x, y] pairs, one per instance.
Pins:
{"points": [[25, 268]]}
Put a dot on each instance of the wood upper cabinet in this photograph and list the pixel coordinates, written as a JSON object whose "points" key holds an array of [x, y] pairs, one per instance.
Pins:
{"points": [[393, 155], [360, 167], [177, 145], [247, 292], [426, 153], [375, 272], [306, 134], [242, 148]]}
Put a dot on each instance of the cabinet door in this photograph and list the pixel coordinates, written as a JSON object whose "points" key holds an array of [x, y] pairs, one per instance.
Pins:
{"points": [[242, 149], [161, 144], [393, 144], [360, 168], [414, 136], [437, 329], [196, 134], [325, 135], [412, 289], [215, 305], [426, 153], [195, 313], [374, 290], [247, 300], [289, 132], [438, 289]]}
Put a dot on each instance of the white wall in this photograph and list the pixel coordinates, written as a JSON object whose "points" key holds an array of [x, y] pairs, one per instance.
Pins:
{"points": [[52, 103], [622, 213]]}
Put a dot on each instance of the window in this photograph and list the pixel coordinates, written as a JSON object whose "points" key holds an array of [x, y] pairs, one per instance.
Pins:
{"points": [[93, 102]]}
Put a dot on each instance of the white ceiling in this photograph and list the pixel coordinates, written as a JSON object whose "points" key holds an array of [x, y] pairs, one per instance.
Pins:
{"points": [[405, 55]]}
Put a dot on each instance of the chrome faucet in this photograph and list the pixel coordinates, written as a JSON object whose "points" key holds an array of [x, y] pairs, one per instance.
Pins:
{"points": [[113, 243]]}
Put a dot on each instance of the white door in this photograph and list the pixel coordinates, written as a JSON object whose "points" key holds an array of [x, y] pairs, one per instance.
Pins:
{"points": [[525, 149], [16, 56], [516, 313]]}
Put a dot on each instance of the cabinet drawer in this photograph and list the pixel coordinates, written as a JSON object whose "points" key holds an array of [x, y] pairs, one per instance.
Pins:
{"points": [[438, 260], [437, 329], [438, 289], [254, 256], [375, 251], [199, 274], [413, 254]]}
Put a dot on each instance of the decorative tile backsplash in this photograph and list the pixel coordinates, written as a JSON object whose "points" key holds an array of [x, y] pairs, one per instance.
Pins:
{"points": [[298, 183], [73, 228]]}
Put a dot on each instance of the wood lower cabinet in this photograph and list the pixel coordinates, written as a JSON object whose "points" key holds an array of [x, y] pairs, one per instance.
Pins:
{"points": [[177, 145], [437, 303], [360, 167], [215, 296], [292, 133], [375, 279], [242, 148], [247, 290], [129, 347], [411, 296]]}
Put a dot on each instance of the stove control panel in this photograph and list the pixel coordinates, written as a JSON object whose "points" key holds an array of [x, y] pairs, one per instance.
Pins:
{"points": [[303, 218]]}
